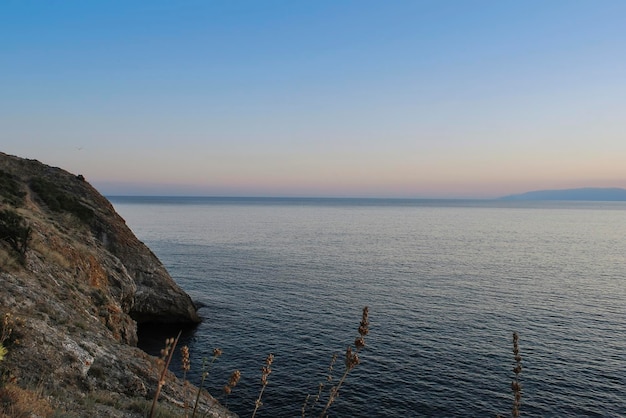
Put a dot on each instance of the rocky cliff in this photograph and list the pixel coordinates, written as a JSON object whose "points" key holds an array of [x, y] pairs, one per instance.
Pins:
{"points": [[74, 284]]}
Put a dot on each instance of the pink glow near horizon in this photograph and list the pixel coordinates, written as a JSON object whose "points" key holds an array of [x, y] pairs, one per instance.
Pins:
{"points": [[414, 99]]}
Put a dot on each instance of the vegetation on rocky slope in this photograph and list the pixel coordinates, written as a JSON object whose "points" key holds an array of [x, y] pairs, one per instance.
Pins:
{"points": [[75, 282]]}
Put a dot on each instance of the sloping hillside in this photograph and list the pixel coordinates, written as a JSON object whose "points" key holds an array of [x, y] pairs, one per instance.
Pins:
{"points": [[74, 284]]}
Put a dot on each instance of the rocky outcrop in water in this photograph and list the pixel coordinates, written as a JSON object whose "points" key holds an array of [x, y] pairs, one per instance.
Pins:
{"points": [[76, 294]]}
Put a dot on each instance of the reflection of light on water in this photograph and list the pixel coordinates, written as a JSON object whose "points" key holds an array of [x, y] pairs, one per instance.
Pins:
{"points": [[446, 288]]}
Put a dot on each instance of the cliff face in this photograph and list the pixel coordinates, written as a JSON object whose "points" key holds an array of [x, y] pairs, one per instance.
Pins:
{"points": [[76, 291]]}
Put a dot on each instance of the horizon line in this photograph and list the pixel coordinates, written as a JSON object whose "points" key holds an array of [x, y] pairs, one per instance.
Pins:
{"points": [[110, 195]]}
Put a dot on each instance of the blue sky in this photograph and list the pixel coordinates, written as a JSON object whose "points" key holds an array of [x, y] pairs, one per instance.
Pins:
{"points": [[318, 98]]}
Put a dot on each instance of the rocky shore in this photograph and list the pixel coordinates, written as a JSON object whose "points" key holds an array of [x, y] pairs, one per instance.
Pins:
{"points": [[75, 283]]}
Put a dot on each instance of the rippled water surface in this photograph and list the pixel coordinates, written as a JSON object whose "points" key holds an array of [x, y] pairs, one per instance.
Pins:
{"points": [[447, 282]]}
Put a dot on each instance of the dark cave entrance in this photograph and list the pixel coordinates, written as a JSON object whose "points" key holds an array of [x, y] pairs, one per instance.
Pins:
{"points": [[151, 336]]}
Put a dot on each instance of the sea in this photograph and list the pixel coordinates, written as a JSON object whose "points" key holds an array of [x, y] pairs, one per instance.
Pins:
{"points": [[447, 283]]}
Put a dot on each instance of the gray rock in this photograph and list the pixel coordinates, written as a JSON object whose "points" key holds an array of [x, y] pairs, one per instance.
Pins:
{"points": [[76, 297]]}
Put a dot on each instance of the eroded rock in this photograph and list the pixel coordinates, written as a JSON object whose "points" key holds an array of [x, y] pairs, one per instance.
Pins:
{"points": [[77, 295]]}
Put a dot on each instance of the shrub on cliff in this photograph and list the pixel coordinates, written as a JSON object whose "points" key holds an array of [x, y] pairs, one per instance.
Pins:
{"points": [[15, 231], [10, 190], [59, 201]]}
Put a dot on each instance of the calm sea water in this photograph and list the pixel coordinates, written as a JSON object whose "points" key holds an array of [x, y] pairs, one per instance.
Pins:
{"points": [[447, 282]]}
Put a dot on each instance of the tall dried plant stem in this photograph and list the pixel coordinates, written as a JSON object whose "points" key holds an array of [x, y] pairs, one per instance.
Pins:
{"points": [[515, 385], [228, 388], [168, 352], [352, 359], [335, 390], [258, 403], [205, 372], [320, 388], [265, 371], [186, 365]]}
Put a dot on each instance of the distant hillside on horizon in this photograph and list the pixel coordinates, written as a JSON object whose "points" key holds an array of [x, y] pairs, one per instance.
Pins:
{"points": [[587, 193]]}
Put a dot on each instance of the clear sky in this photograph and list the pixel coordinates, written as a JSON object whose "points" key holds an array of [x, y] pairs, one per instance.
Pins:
{"points": [[417, 98]]}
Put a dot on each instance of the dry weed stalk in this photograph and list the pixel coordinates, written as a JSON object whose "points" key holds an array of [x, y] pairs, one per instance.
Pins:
{"points": [[166, 358], [205, 372], [320, 389], [351, 360], [515, 385], [265, 371], [232, 382], [186, 365]]}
